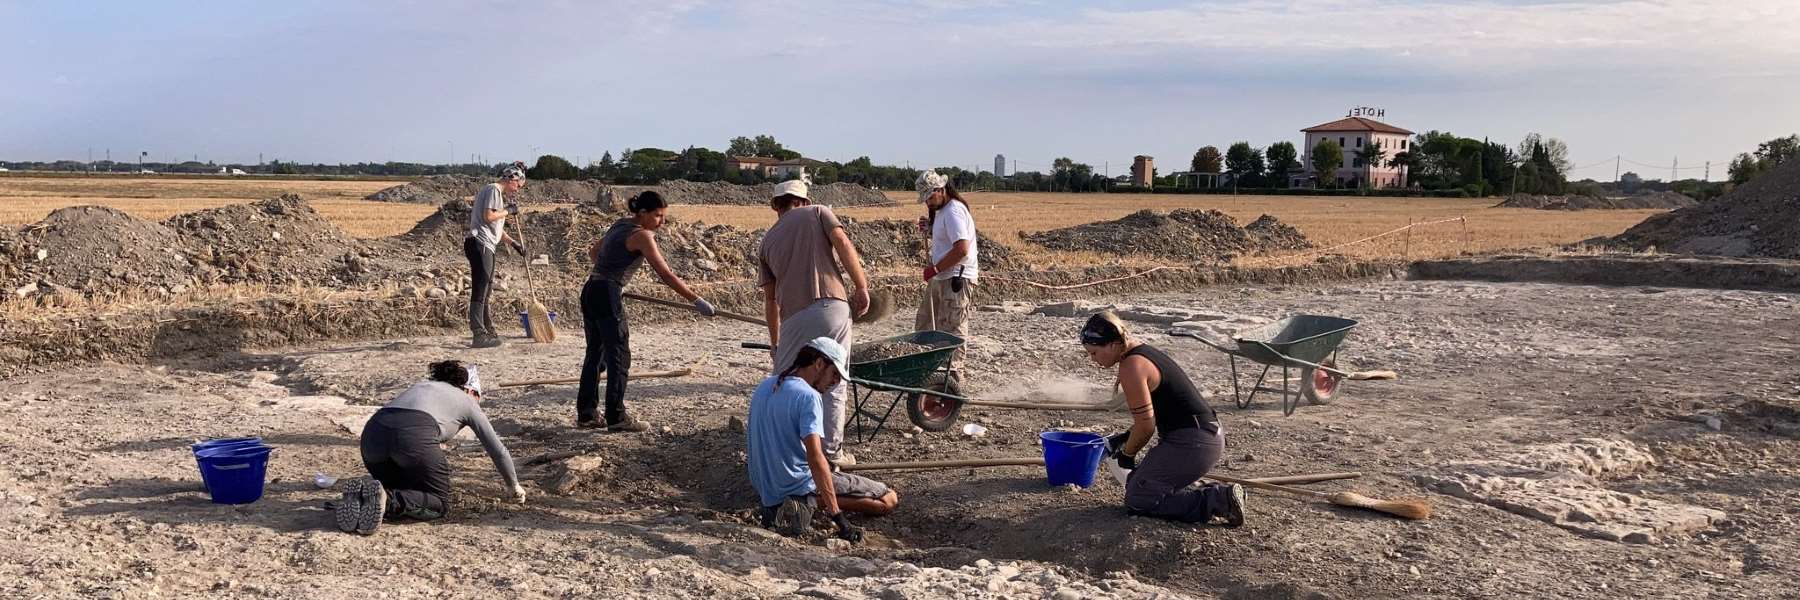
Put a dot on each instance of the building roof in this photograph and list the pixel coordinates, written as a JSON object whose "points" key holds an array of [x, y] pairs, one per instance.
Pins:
{"points": [[753, 160], [801, 162], [1357, 124]]}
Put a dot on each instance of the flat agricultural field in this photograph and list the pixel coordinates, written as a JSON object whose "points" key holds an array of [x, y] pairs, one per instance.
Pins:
{"points": [[1327, 221]]}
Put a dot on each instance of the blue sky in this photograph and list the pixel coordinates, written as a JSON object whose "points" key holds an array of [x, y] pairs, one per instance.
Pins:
{"points": [[930, 82]]}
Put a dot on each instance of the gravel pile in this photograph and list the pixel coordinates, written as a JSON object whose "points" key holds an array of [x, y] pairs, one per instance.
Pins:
{"points": [[438, 189], [1204, 236], [92, 249], [280, 241], [1761, 218], [863, 353], [1652, 200]]}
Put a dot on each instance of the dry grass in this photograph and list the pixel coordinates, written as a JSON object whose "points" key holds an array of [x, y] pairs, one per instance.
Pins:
{"points": [[1328, 221]]}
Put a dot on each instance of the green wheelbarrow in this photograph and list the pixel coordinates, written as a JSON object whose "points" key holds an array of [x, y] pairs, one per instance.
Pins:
{"points": [[922, 379], [1306, 344]]}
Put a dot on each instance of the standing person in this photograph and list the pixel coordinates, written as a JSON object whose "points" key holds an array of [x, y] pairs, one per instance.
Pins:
{"points": [[950, 276], [786, 455], [802, 264], [409, 475], [486, 231], [1165, 403], [616, 256]]}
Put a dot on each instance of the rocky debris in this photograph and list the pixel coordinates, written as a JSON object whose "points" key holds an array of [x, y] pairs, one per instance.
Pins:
{"points": [[574, 473], [94, 249], [887, 242], [280, 240], [984, 579], [680, 191], [1561, 484], [1651, 200], [438, 189], [1195, 235], [863, 353], [1755, 219]]}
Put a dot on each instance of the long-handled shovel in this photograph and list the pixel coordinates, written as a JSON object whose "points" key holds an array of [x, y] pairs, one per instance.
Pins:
{"points": [[1406, 508]]}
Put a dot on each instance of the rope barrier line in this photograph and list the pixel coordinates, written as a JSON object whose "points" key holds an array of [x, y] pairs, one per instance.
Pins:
{"points": [[1397, 230]]}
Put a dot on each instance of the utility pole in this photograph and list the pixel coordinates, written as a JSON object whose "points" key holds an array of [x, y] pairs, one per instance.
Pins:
{"points": [[452, 152], [1708, 172], [1672, 165], [1617, 160]]}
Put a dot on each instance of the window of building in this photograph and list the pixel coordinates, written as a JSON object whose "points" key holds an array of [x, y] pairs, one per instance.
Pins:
{"points": [[1402, 144], [1340, 142], [1359, 141], [1356, 163]]}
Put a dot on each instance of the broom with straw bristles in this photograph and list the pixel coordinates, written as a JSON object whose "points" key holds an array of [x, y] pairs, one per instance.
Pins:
{"points": [[537, 316], [1406, 508]]}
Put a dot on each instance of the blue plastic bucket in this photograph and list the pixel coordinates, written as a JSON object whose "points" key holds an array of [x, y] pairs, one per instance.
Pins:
{"points": [[235, 474], [525, 320], [226, 442], [1072, 457]]}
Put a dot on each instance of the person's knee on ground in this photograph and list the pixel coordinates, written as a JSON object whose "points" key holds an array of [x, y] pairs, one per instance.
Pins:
{"points": [[873, 507]]}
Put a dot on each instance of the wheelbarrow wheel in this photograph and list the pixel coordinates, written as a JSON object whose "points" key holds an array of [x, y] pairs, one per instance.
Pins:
{"points": [[935, 413], [1319, 386]]}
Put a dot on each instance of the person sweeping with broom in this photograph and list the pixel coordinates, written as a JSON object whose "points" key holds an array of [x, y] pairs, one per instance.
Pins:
{"points": [[629, 243], [486, 231], [1164, 403]]}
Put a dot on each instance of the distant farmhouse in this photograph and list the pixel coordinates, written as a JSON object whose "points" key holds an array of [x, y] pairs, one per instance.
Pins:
{"points": [[1351, 133]]}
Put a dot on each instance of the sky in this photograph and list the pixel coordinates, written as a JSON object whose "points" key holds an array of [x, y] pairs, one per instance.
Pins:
{"points": [[923, 82]]}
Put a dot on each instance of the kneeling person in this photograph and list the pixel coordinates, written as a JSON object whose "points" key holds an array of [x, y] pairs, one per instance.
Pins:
{"points": [[787, 457], [409, 474]]}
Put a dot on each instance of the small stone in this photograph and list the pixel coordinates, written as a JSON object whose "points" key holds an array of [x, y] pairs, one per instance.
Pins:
{"points": [[42, 254], [1066, 594], [706, 265], [735, 424], [541, 259], [837, 544], [276, 235], [1714, 423], [1414, 570], [1248, 457], [436, 293], [1070, 488]]}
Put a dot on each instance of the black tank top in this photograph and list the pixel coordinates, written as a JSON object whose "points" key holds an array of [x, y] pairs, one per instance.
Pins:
{"points": [[616, 263], [1175, 400]]}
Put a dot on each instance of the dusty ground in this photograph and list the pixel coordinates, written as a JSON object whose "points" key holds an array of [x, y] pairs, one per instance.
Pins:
{"points": [[101, 498]]}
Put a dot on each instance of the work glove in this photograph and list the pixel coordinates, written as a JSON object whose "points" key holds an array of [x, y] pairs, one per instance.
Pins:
{"points": [[518, 247], [846, 531], [512, 208], [518, 494], [1127, 461], [930, 272], [704, 308], [1116, 442]]}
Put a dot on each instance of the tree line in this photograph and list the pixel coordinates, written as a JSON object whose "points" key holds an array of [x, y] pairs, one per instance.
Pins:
{"points": [[1434, 160]]}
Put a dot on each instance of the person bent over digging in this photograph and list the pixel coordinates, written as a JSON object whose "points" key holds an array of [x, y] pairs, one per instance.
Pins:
{"points": [[1165, 403], [410, 477], [787, 457], [616, 256]]}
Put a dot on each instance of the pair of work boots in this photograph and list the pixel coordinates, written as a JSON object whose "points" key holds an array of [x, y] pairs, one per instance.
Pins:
{"points": [[365, 505], [624, 424], [486, 340]]}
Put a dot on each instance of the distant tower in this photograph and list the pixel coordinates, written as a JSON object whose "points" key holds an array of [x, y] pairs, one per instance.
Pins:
{"points": [[999, 165], [1143, 170]]}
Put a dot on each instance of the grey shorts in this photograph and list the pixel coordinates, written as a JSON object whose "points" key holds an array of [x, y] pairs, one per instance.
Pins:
{"points": [[857, 486]]}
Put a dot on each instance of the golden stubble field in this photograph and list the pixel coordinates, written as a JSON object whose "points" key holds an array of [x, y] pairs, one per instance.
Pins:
{"points": [[1328, 221]]}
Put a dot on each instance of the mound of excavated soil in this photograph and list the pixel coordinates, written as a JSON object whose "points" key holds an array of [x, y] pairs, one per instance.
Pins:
{"points": [[1760, 218], [716, 192], [439, 189], [1196, 235], [94, 249], [889, 242], [279, 240], [1652, 200]]}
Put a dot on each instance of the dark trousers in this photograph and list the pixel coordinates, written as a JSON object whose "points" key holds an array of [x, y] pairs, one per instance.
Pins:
{"points": [[481, 282], [608, 350], [1162, 484], [400, 449]]}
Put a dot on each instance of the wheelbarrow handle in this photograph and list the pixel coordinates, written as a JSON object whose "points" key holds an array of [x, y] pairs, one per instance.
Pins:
{"points": [[756, 346], [1189, 334]]}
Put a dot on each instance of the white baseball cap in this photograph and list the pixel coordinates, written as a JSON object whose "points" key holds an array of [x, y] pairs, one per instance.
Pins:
{"points": [[834, 352], [794, 188]]}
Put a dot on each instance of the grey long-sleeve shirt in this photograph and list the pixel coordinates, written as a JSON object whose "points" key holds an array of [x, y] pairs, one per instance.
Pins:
{"points": [[454, 409]]}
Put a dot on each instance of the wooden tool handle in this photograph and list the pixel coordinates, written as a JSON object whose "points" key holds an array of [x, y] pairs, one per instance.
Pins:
{"points": [[943, 464], [1269, 486], [632, 377], [673, 304]]}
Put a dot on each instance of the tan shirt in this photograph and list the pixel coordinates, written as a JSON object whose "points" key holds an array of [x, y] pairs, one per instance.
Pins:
{"points": [[797, 257]]}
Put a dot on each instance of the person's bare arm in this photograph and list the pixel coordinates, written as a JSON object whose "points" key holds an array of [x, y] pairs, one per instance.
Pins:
{"points": [[494, 214], [1134, 377], [772, 313], [846, 255], [644, 243], [594, 251], [953, 257], [821, 473]]}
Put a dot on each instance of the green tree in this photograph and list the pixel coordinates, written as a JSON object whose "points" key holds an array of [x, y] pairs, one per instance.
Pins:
{"points": [[1557, 151], [1207, 160], [1629, 182], [767, 146], [741, 146], [1326, 158], [1776, 151], [1245, 164], [1369, 157], [1283, 162], [1744, 168]]}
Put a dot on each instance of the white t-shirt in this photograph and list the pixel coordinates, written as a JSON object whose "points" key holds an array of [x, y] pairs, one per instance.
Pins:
{"points": [[955, 223]]}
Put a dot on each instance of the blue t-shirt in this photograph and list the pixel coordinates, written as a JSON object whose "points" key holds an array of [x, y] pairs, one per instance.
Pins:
{"points": [[783, 411]]}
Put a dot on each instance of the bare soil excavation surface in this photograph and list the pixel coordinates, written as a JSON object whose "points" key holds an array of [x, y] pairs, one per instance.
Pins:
{"points": [[99, 496]]}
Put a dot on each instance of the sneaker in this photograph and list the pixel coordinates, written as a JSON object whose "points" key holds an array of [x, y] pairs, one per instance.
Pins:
{"points": [[1234, 505], [486, 341], [626, 424], [765, 515], [794, 517], [362, 508], [842, 459], [589, 424]]}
